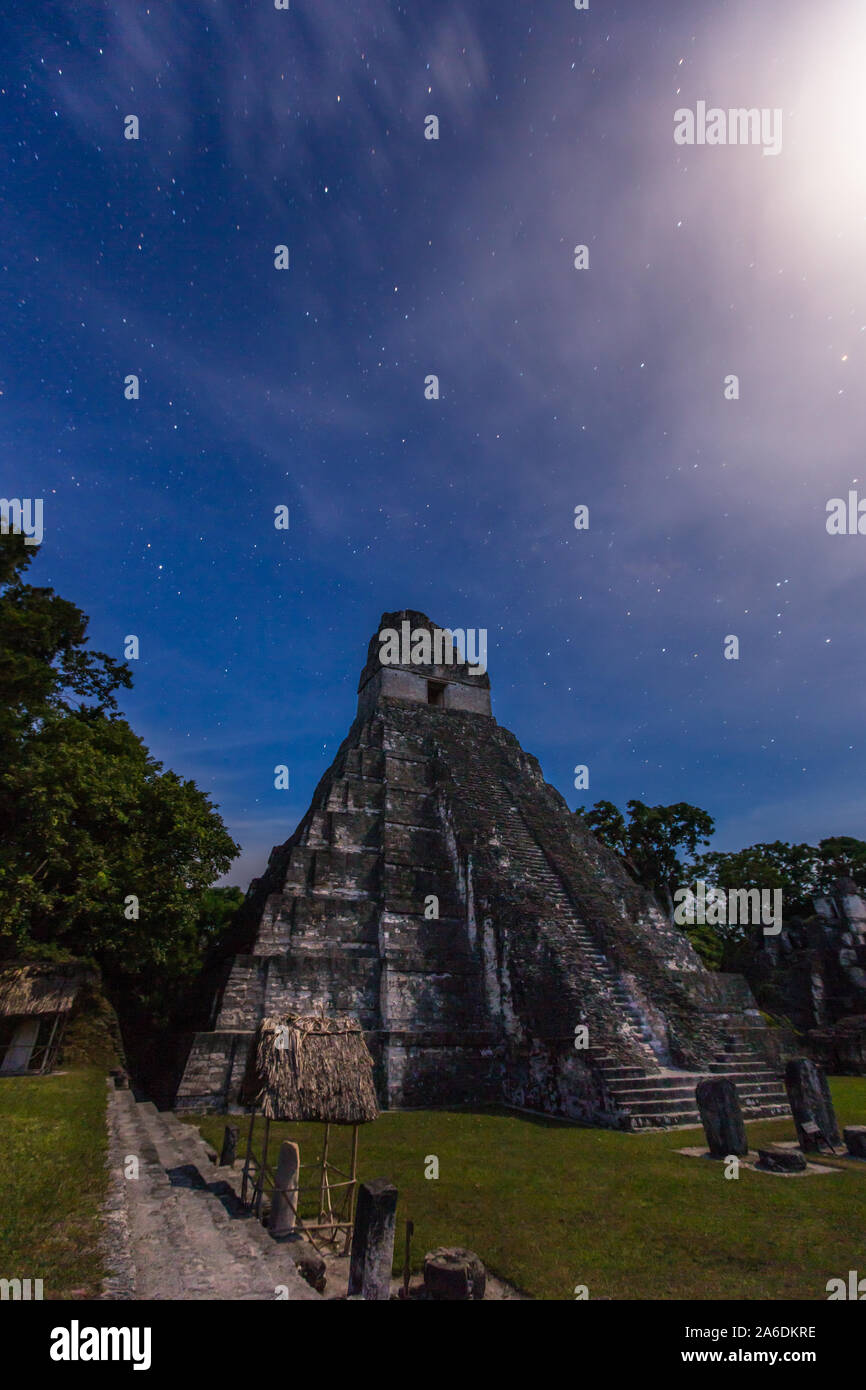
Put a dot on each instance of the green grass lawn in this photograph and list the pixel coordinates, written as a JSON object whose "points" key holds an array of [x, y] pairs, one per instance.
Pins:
{"points": [[548, 1205], [53, 1180]]}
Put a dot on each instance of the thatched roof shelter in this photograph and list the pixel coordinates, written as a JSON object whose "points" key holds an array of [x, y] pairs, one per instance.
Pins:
{"points": [[311, 1068], [38, 989]]}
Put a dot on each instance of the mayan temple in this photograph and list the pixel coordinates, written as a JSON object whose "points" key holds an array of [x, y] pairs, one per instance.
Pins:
{"points": [[441, 891]]}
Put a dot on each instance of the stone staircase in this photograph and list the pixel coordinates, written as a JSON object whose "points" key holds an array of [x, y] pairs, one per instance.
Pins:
{"points": [[650, 1096], [665, 1098], [527, 856], [633, 1021], [188, 1237]]}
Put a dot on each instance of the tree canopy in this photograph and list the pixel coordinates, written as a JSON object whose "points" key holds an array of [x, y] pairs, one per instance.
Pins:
{"points": [[103, 852], [654, 840], [659, 845]]}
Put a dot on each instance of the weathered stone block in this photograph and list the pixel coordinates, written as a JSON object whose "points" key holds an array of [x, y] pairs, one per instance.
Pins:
{"points": [[347, 871], [284, 1202], [401, 772], [308, 1262], [299, 866], [356, 830], [362, 795], [453, 1274], [781, 1161], [230, 1146], [811, 1105], [373, 1240], [410, 844], [855, 1140], [404, 807], [722, 1117]]}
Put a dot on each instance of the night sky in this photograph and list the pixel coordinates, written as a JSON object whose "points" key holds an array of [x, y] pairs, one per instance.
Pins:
{"points": [[559, 387]]}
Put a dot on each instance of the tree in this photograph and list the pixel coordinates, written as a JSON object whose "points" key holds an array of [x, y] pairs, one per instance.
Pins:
{"points": [[608, 823], [841, 856], [44, 662], [652, 842], [217, 910], [800, 871], [102, 852], [792, 868]]}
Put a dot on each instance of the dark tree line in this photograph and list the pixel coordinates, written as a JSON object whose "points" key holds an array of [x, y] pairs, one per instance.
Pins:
{"points": [[104, 854], [664, 848]]}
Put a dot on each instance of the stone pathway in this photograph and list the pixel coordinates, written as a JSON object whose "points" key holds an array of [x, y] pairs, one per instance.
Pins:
{"points": [[176, 1231]]}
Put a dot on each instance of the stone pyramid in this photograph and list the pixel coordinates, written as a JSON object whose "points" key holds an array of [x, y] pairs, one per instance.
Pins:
{"points": [[441, 891]]}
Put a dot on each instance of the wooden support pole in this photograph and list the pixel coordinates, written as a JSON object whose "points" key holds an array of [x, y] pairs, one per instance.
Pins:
{"points": [[260, 1185], [323, 1191], [353, 1189], [47, 1055]]}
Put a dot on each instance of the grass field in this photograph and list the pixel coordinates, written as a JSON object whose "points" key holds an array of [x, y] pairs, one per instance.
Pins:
{"points": [[53, 1180], [546, 1205], [549, 1206]]}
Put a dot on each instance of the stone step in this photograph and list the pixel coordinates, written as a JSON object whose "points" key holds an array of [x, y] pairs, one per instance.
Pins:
{"points": [[173, 1153], [752, 1064], [224, 1228], [615, 1072], [770, 1096], [690, 1117], [739, 1063], [189, 1138], [166, 1266], [663, 1116], [657, 1105], [187, 1244], [625, 1093], [650, 1100], [752, 1078], [669, 1120], [636, 1085], [738, 1074], [756, 1107]]}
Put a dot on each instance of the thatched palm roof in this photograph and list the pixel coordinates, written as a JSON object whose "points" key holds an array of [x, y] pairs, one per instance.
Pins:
{"points": [[38, 989], [310, 1068]]}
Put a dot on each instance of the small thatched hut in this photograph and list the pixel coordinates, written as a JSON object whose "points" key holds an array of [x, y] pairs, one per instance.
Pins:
{"points": [[309, 1068], [35, 1002], [303, 1067]]}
